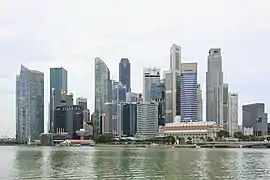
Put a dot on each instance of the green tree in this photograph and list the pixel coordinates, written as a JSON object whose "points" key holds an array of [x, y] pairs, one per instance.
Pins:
{"points": [[171, 139], [223, 133], [209, 139], [104, 138], [238, 135]]}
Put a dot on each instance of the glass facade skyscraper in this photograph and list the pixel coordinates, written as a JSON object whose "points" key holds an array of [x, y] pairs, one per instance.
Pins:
{"points": [[58, 82], [188, 92], [103, 94], [29, 105], [124, 73]]}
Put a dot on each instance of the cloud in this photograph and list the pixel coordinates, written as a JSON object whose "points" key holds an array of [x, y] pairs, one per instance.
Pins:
{"points": [[44, 34]]}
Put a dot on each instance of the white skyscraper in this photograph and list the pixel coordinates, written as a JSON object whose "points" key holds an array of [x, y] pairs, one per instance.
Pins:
{"points": [[29, 105], [150, 75], [233, 113], [147, 119], [172, 84], [214, 87]]}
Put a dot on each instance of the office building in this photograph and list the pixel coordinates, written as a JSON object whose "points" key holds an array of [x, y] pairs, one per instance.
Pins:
{"points": [[225, 107], [29, 105], [109, 117], [69, 99], [133, 97], [188, 91], [129, 118], [82, 101], [172, 84], [147, 120], [124, 73], [150, 75], [254, 116], [199, 103], [214, 87], [157, 94], [232, 113], [103, 93], [58, 91], [268, 125], [68, 120]]}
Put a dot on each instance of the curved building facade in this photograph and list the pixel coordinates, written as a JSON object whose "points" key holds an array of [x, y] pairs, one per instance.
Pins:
{"points": [[103, 94]]}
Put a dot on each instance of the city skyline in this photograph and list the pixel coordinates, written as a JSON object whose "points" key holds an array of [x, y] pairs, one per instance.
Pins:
{"points": [[47, 46]]}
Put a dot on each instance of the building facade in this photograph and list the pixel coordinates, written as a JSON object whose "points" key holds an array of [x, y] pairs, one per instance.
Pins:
{"points": [[124, 73], [254, 116], [29, 105], [70, 99], [133, 97], [103, 93], [68, 119], [172, 84], [58, 91], [82, 101], [226, 107], [192, 131], [129, 118], [232, 113], [188, 91], [157, 94], [150, 75], [109, 117], [147, 120], [214, 87], [199, 103]]}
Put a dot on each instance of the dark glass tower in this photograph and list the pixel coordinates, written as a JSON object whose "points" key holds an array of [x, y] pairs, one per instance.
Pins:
{"points": [[124, 73], [58, 82]]}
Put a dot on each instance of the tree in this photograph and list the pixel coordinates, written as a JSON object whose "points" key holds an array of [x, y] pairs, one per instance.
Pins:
{"points": [[238, 135], [223, 133], [104, 138], [201, 138], [171, 139], [209, 139]]}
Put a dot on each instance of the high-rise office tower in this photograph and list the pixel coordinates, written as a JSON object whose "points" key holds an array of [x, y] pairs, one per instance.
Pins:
{"points": [[150, 75], [254, 116], [124, 73], [58, 91], [157, 94], [103, 93], [133, 97], [172, 84], [118, 97], [147, 120], [188, 91], [199, 103], [82, 101], [232, 113], [29, 105], [225, 107], [214, 87], [129, 117], [69, 99]]}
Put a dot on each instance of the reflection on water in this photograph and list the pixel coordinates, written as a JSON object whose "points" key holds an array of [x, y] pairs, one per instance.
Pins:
{"points": [[141, 163]]}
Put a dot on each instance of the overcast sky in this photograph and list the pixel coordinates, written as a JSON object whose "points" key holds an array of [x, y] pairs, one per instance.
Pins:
{"points": [[49, 33]]}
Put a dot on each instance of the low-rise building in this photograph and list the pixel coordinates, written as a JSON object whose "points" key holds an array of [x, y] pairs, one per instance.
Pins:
{"points": [[192, 130]]}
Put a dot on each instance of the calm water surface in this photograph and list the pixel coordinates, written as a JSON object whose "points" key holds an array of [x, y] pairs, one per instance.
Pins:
{"points": [[140, 163]]}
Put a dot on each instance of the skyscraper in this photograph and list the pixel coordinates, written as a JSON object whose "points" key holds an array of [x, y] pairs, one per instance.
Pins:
{"points": [[214, 87], [225, 107], [150, 75], [188, 91], [118, 97], [124, 73], [172, 84], [199, 103], [82, 101], [103, 93], [254, 116], [232, 113], [58, 90], [29, 105], [147, 119]]}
